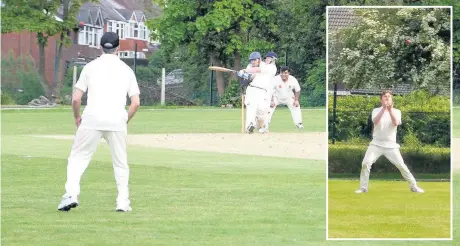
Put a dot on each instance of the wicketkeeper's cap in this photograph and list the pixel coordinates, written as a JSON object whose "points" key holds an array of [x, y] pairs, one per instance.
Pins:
{"points": [[254, 55], [271, 54], [110, 40]]}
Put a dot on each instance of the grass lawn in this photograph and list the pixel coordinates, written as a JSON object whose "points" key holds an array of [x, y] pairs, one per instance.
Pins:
{"points": [[389, 210], [60, 121], [178, 197]]}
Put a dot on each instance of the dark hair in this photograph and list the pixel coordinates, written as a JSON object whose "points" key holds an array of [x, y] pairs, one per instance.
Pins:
{"points": [[385, 92], [284, 68]]}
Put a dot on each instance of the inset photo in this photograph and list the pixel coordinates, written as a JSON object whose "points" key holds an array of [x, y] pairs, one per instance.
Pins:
{"points": [[389, 122]]}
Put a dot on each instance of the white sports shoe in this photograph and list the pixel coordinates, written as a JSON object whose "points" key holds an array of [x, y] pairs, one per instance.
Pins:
{"points": [[263, 130], [417, 189], [124, 209], [300, 126], [361, 190], [68, 203]]}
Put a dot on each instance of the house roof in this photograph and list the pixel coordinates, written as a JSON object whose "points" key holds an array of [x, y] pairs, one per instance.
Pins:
{"points": [[118, 10], [126, 13], [109, 10], [339, 18]]}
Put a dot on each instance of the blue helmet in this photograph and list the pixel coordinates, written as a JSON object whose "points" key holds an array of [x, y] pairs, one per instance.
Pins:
{"points": [[254, 55], [272, 54]]}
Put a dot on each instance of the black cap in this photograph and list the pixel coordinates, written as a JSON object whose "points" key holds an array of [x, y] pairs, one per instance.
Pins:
{"points": [[110, 40]]}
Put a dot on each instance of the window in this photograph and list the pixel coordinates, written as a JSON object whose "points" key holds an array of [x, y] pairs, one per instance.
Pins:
{"points": [[110, 26], [143, 31], [123, 54], [136, 31], [146, 33], [131, 29], [117, 27], [90, 36], [130, 54], [121, 30]]}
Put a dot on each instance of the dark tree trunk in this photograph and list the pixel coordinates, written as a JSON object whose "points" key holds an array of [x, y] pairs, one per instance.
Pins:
{"points": [[219, 75], [41, 64]]}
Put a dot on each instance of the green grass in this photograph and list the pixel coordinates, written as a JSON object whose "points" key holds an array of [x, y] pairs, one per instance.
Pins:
{"points": [[178, 197], [60, 121], [393, 176], [389, 210]]}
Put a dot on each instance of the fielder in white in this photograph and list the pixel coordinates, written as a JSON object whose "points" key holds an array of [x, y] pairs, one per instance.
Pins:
{"points": [[256, 96], [286, 91], [386, 121], [108, 81]]}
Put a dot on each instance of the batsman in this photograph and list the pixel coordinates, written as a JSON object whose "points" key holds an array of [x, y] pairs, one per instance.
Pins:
{"points": [[258, 90]]}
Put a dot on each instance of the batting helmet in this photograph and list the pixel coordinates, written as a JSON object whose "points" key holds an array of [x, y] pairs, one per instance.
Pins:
{"points": [[254, 55], [272, 54]]}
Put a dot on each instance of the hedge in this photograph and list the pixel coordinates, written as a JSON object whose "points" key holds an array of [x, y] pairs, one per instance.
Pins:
{"points": [[427, 116], [345, 158]]}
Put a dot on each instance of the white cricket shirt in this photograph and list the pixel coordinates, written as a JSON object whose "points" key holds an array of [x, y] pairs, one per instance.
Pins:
{"points": [[384, 134], [284, 90], [264, 78], [108, 81]]}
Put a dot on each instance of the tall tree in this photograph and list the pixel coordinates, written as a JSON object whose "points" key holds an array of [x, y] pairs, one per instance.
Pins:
{"points": [[392, 46], [224, 31], [39, 16]]}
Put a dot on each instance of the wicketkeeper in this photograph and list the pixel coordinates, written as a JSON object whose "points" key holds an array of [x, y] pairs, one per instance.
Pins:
{"points": [[286, 90]]}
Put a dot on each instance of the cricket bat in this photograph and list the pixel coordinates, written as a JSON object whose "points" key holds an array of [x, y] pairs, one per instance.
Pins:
{"points": [[221, 69]]}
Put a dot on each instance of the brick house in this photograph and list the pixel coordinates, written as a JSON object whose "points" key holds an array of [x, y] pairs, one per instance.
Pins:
{"points": [[126, 17]]}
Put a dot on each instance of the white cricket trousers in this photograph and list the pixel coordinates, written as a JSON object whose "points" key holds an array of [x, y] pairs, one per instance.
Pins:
{"points": [[257, 104], [296, 113], [83, 148], [393, 155]]}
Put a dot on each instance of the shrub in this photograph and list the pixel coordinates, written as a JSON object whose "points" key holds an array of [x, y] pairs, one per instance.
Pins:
{"points": [[20, 79], [232, 94], [7, 99], [426, 116], [347, 159]]}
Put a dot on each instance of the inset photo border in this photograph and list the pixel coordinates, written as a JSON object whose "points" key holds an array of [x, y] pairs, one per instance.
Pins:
{"points": [[389, 78]]}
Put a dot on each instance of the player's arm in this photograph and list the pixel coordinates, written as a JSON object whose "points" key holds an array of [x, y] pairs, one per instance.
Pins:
{"points": [[376, 119], [133, 93], [395, 117], [76, 102], [297, 92], [252, 70], [80, 88], [297, 96], [135, 103]]}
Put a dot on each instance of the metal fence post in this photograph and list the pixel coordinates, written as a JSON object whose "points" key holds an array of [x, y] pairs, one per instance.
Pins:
{"points": [[334, 110], [210, 87]]}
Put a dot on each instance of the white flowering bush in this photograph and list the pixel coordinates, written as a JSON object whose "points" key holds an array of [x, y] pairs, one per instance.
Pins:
{"points": [[392, 46]]}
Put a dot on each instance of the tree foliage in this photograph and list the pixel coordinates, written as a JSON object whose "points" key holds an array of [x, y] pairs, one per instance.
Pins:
{"points": [[393, 46], [221, 31], [225, 32], [39, 16]]}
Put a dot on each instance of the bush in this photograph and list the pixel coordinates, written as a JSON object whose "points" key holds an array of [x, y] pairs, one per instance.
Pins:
{"points": [[7, 99], [20, 79], [313, 93], [426, 116], [232, 94], [347, 159]]}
